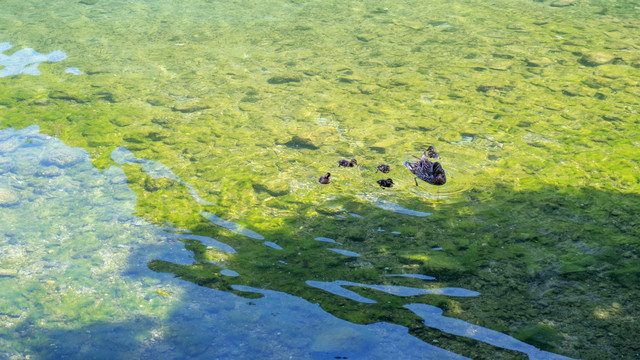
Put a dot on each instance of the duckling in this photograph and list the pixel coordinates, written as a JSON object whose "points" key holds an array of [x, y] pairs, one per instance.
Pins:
{"points": [[325, 179], [384, 168], [347, 163], [431, 152], [385, 183], [431, 172]]}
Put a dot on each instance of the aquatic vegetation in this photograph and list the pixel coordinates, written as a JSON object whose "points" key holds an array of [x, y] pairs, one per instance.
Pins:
{"points": [[222, 126]]}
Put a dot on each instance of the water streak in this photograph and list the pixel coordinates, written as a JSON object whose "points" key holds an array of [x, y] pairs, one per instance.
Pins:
{"points": [[336, 288], [417, 276], [210, 242], [391, 206], [230, 225], [433, 318], [345, 252]]}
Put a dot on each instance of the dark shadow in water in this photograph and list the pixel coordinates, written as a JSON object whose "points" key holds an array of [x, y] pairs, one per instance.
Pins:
{"points": [[556, 268], [213, 324]]}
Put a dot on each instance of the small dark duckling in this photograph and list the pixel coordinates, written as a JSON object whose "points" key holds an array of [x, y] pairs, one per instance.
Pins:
{"points": [[385, 183], [384, 168], [431, 152], [347, 163], [325, 179], [425, 170]]}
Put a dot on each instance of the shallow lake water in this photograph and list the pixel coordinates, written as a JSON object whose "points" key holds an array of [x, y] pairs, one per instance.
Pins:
{"points": [[159, 166]]}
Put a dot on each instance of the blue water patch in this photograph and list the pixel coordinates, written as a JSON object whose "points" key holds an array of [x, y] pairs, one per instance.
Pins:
{"points": [[335, 338], [25, 61], [390, 206], [336, 288], [355, 215], [230, 225], [433, 318], [73, 71], [155, 169], [436, 249], [396, 232], [227, 272], [345, 252], [324, 239], [210, 242], [387, 205], [273, 245], [417, 276]]}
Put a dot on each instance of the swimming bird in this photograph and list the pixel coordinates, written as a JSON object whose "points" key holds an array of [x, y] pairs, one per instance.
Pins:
{"points": [[423, 169], [325, 179], [384, 168], [347, 163], [385, 183], [431, 152]]}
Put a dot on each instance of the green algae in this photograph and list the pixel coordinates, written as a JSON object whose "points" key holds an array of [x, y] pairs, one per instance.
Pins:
{"points": [[541, 203]]}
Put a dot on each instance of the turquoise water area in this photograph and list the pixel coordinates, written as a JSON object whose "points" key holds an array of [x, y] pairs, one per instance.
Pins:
{"points": [[159, 166]]}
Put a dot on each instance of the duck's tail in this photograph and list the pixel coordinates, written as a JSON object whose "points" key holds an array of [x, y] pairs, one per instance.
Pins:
{"points": [[408, 165]]}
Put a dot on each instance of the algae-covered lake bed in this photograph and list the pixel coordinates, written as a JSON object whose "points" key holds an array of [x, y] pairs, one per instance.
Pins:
{"points": [[159, 193]]}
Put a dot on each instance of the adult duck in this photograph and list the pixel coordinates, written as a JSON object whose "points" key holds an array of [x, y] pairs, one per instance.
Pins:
{"points": [[423, 169]]}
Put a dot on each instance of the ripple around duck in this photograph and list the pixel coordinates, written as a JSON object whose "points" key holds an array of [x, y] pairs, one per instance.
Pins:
{"points": [[449, 193]]}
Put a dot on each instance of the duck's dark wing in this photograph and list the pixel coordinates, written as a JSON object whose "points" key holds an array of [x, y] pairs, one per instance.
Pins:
{"points": [[438, 175]]}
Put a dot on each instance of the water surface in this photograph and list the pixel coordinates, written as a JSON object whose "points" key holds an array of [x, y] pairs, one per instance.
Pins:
{"points": [[167, 199]]}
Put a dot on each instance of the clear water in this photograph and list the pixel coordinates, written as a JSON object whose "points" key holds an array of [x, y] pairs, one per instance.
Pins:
{"points": [[159, 167]]}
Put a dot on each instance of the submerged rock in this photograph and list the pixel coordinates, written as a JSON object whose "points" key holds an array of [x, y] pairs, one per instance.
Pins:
{"points": [[8, 272], [8, 197], [300, 142], [539, 62], [563, 3], [49, 172], [63, 158], [595, 58], [274, 187], [366, 37], [67, 96], [189, 107], [122, 121], [285, 79]]}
